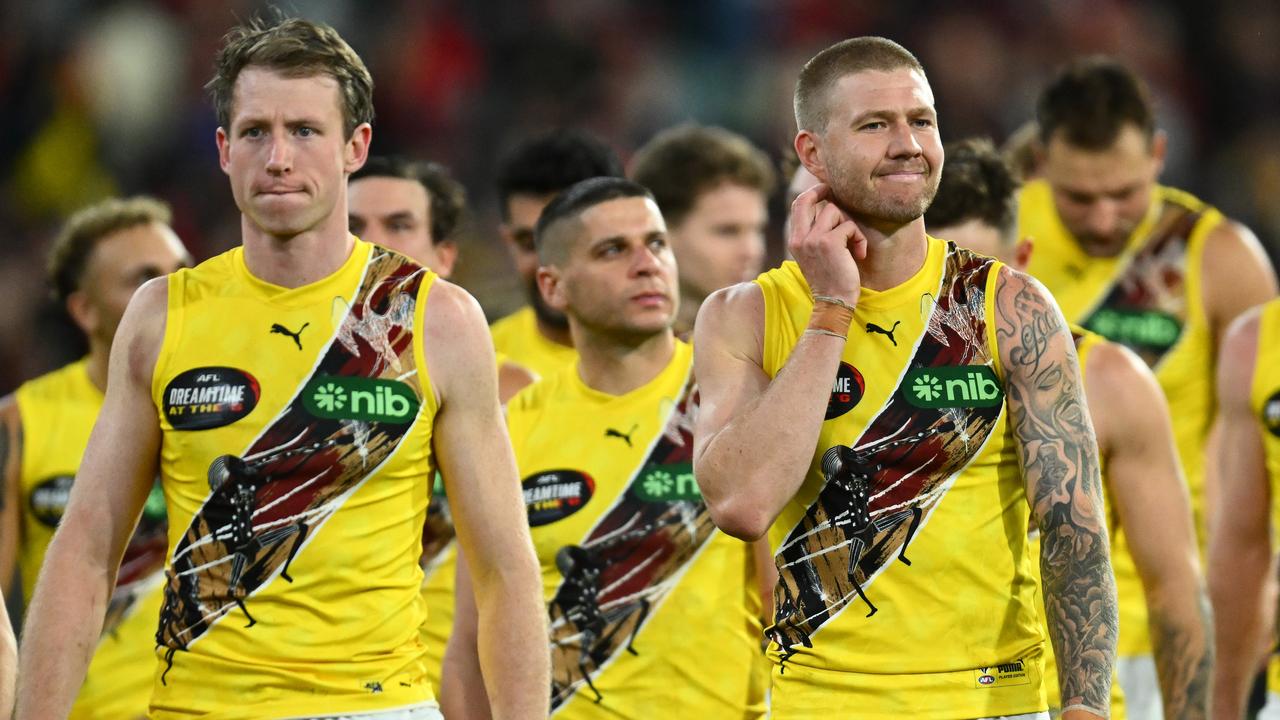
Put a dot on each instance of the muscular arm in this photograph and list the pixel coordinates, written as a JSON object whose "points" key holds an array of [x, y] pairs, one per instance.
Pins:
{"points": [[1240, 555], [10, 482], [1148, 491], [484, 494], [117, 472], [743, 412], [1059, 459]]}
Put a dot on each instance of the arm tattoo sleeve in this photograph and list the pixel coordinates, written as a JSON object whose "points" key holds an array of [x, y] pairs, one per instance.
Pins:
{"points": [[1059, 458], [1185, 661]]}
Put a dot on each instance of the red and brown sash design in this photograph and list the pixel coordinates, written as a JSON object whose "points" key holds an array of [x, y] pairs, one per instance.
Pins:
{"points": [[880, 486], [266, 503], [629, 561], [1146, 305]]}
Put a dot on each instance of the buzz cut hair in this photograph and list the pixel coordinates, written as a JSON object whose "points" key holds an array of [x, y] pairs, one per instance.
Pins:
{"points": [[824, 70], [295, 48], [976, 184], [80, 235], [681, 163], [446, 197], [553, 236], [1091, 100]]}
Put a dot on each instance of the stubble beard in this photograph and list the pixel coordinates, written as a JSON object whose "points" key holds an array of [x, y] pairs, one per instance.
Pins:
{"points": [[864, 203]]}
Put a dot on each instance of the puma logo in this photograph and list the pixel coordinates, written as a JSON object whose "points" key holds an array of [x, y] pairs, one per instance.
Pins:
{"points": [[610, 432], [278, 329], [874, 328]]}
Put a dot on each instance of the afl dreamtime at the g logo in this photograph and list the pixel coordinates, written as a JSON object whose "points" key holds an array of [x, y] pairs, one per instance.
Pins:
{"points": [[846, 391], [209, 397]]}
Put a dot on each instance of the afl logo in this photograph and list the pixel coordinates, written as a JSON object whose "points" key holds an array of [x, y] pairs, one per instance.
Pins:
{"points": [[846, 392], [555, 495], [209, 397], [986, 679], [1271, 414]]}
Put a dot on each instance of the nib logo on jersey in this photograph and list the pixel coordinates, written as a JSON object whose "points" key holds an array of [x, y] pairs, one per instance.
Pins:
{"points": [[1136, 328], [667, 483], [952, 386], [556, 494], [359, 398], [209, 397]]}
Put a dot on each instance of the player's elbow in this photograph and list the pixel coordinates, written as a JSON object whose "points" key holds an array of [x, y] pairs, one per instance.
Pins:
{"points": [[740, 517]]}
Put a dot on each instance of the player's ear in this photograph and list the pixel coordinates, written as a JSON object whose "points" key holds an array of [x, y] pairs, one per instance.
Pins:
{"points": [[447, 256], [82, 312], [551, 285], [356, 151], [1022, 253], [224, 148], [1159, 149], [807, 150]]}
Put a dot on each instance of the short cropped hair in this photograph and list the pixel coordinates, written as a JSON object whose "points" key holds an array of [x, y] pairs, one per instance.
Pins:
{"points": [[1091, 100], [80, 235], [846, 57], [976, 184], [551, 162], [680, 164], [571, 204], [445, 195], [294, 48]]}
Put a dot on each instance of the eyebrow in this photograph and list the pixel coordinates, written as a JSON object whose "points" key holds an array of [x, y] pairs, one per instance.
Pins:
{"points": [[882, 113]]}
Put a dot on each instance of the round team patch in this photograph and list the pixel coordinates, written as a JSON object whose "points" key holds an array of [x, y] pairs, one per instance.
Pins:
{"points": [[48, 500], [846, 392], [1271, 414], [555, 495], [209, 397]]}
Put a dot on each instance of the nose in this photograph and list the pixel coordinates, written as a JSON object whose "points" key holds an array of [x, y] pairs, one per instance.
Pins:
{"points": [[279, 155], [646, 261], [903, 143], [1103, 218]]}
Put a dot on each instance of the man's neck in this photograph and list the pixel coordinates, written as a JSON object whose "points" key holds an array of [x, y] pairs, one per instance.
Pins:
{"points": [[617, 368], [554, 333], [97, 362], [894, 255], [298, 260], [690, 300]]}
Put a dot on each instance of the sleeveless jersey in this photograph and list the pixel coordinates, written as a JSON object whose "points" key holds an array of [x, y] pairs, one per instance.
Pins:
{"points": [[296, 461], [647, 600], [439, 564], [1148, 298], [905, 587], [1265, 401], [1121, 560], [516, 336], [58, 411]]}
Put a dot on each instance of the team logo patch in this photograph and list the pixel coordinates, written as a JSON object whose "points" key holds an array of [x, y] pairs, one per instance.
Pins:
{"points": [[555, 495], [1136, 328], [48, 500], [667, 483], [360, 398], [952, 386], [1004, 675], [209, 397], [846, 392], [1271, 414]]}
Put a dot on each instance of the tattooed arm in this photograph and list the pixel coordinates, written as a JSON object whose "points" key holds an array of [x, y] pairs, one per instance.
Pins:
{"points": [[1240, 533], [1147, 489], [1059, 459]]}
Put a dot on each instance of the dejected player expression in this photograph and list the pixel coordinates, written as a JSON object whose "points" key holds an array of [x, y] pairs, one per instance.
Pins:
{"points": [[1103, 195], [286, 152], [619, 278], [880, 151], [396, 213], [720, 241]]}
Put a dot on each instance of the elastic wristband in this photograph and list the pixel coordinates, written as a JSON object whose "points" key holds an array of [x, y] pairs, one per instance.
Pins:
{"points": [[832, 318], [1086, 708], [820, 331], [833, 301]]}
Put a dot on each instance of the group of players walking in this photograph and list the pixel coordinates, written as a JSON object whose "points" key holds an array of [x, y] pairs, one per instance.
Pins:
{"points": [[964, 456]]}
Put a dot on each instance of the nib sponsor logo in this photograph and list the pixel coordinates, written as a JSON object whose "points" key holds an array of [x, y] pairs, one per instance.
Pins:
{"points": [[1136, 328], [357, 398], [952, 386], [667, 483]]}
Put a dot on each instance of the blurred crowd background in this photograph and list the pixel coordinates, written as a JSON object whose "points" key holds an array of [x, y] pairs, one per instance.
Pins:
{"points": [[106, 98]]}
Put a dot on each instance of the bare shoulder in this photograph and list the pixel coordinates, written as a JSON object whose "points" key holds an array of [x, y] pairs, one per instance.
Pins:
{"points": [[450, 309], [731, 317], [141, 332], [1235, 268], [1231, 240], [1027, 316], [1238, 354], [457, 345], [1122, 392]]}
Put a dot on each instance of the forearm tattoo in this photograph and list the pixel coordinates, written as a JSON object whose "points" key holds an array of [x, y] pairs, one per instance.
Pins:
{"points": [[1059, 458], [1184, 658]]}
